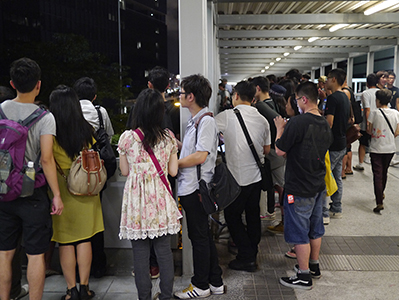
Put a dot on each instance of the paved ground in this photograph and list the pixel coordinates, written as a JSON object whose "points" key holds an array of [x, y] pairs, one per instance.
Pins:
{"points": [[359, 256]]}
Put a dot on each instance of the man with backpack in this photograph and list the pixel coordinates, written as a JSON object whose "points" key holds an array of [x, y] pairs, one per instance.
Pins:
{"points": [[16, 212], [97, 116]]}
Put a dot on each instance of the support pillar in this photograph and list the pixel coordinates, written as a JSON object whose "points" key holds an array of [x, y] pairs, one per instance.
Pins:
{"points": [[322, 70], [334, 65], [312, 75], [349, 72], [396, 60], [370, 63]]}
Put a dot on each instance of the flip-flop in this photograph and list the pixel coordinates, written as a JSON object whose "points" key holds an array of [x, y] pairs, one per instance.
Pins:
{"points": [[349, 173]]}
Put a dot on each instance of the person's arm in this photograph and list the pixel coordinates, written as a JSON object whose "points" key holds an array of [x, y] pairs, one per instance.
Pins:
{"points": [[197, 158], [123, 164], [280, 123], [370, 128], [266, 149], [366, 112], [397, 130], [330, 120], [397, 103], [50, 172], [173, 165]]}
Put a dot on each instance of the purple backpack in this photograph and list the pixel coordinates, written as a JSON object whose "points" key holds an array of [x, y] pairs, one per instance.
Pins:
{"points": [[13, 137]]}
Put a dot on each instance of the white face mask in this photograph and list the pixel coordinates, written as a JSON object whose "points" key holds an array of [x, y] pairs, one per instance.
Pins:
{"points": [[299, 109]]}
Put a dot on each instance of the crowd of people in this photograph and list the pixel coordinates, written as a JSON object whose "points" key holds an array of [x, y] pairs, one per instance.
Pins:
{"points": [[292, 124]]}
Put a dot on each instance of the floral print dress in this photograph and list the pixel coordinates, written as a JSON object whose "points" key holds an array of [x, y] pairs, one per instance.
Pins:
{"points": [[148, 209]]}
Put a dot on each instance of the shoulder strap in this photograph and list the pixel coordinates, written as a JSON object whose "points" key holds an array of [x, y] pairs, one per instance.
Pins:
{"points": [[33, 118], [155, 161], [2, 115], [389, 124], [100, 116], [196, 136], [247, 136]]}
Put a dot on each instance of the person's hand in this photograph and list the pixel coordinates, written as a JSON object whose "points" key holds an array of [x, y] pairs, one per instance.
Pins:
{"points": [[280, 122], [322, 94], [57, 206]]}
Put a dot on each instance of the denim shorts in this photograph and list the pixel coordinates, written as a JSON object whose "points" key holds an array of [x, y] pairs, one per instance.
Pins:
{"points": [[303, 218]]}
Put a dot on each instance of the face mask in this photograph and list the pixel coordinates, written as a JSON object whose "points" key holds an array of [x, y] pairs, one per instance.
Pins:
{"points": [[299, 109]]}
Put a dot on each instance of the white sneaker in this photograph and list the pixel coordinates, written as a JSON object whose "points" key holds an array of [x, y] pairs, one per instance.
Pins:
{"points": [[358, 167], [24, 291], [192, 292], [335, 215], [220, 290], [268, 216], [326, 220]]}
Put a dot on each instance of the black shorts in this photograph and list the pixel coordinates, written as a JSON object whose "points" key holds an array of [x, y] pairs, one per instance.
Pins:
{"points": [[29, 216], [365, 138]]}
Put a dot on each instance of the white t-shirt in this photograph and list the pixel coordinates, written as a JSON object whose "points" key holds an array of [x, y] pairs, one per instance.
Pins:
{"points": [[382, 139], [91, 116], [239, 158], [368, 101]]}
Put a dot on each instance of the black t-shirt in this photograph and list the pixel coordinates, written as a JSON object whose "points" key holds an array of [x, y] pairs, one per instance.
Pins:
{"points": [[306, 139], [338, 105], [266, 111], [395, 95]]}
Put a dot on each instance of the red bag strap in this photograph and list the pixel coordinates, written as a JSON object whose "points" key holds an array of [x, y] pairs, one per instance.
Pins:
{"points": [[155, 161]]}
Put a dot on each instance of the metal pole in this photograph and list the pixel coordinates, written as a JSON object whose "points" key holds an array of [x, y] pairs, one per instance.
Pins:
{"points": [[120, 52]]}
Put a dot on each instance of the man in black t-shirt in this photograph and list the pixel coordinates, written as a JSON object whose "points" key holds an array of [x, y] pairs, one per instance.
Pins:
{"points": [[337, 114], [393, 89], [304, 140]]}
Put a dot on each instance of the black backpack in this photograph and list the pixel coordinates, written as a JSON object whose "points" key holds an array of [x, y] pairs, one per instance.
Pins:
{"points": [[104, 147], [357, 110]]}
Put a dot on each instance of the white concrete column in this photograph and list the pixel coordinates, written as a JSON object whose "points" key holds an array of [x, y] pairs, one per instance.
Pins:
{"points": [[334, 65], [349, 72], [312, 75], [370, 63], [322, 70], [396, 60]]}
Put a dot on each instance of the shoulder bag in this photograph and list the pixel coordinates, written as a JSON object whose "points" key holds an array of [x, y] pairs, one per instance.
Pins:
{"points": [[265, 169], [389, 124], [223, 188]]}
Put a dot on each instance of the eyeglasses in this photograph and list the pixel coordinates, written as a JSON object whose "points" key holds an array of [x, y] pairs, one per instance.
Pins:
{"points": [[297, 99], [183, 93]]}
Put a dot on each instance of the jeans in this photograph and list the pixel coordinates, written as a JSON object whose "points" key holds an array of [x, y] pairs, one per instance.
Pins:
{"points": [[247, 237], [380, 164], [205, 257], [336, 168], [141, 260]]}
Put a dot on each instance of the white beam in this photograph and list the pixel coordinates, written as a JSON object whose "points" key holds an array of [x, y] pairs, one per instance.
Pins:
{"points": [[341, 56], [307, 33], [306, 19], [303, 50]]}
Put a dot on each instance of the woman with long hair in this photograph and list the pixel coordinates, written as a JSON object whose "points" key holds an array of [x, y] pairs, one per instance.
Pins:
{"points": [[149, 211], [82, 216]]}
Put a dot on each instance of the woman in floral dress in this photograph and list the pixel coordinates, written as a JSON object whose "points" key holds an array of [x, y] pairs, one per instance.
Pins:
{"points": [[149, 212]]}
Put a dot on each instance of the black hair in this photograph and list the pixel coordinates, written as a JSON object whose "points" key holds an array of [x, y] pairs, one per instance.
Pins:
{"points": [[294, 75], [73, 131], [384, 96], [338, 74], [271, 78], [306, 76], [380, 74], [262, 82], [392, 73], [85, 88], [309, 90], [159, 77], [294, 105], [200, 87], [289, 86], [148, 115], [246, 90], [6, 93], [25, 73], [372, 80]]}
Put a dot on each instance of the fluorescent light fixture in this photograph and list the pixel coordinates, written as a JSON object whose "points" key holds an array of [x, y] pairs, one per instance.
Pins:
{"points": [[312, 39], [272, 63], [278, 58], [286, 53], [178, 76], [262, 71], [267, 67], [338, 26], [380, 6], [297, 48]]}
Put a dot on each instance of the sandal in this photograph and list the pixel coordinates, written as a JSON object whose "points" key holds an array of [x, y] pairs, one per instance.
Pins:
{"points": [[85, 292], [72, 293]]}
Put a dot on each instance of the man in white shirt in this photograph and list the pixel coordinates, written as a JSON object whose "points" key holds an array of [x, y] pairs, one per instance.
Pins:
{"points": [[242, 165], [368, 103]]}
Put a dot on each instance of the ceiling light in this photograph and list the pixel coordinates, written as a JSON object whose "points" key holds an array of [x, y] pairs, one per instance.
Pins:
{"points": [[338, 26], [312, 39], [320, 26], [278, 58], [262, 71], [267, 67], [272, 63], [286, 53], [297, 48], [380, 6]]}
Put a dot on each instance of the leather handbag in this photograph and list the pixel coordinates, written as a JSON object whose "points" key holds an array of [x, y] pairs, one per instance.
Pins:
{"points": [[87, 175], [353, 134], [223, 188], [265, 168]]}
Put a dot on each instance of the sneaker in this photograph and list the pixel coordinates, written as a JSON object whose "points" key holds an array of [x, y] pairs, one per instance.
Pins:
{"points": [[291, 253], [378, 208], [335, 215], [326, 220], [243, 266], [154, 272], [24, 291], [192, 292], [278, 229], [367, 159], [220, 290], [268, 216], [358, 167], [298, 281], [314, 270]]}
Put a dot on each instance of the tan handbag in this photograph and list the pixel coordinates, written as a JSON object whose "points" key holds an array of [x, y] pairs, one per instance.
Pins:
{"points": [[87, 175]]}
